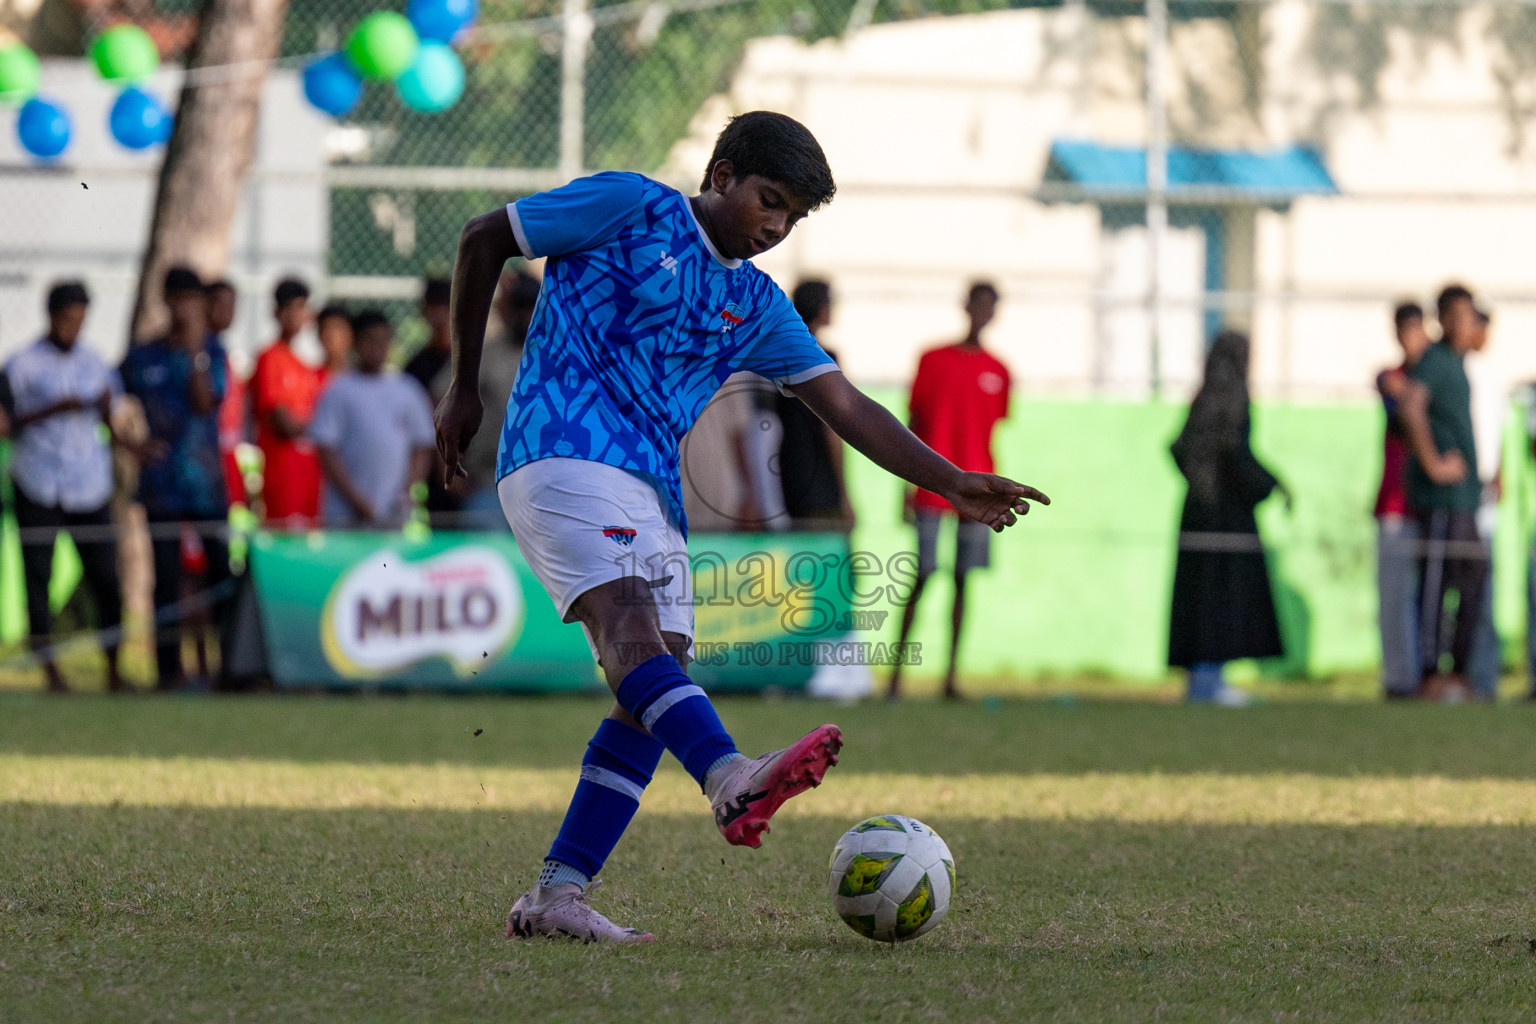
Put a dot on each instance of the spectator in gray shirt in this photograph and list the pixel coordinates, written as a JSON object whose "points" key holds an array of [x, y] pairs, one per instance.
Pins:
{"points": [[373, 429]]}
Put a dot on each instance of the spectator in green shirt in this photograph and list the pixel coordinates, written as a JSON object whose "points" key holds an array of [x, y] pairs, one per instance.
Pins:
{"points": [[1443, 495]]}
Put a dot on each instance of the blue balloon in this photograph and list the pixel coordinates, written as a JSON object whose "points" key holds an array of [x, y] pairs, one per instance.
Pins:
{"points": [[42, 127], [139, 120], [435, 82], [440, 20], [331, 85]]}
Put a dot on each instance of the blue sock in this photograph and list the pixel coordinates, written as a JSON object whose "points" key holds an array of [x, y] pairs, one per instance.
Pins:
{"points": [[664, 700], [619, 762]]}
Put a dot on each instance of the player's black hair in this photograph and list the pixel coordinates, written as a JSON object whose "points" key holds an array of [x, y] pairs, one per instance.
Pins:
{"points": [[223, 284], [977, 287], [436, 292], [65, 294], [1449, 296], [367, 319], [1406, 313], [778, 148], [333, 310], [289, 289], [811, 298], [180, 279]]}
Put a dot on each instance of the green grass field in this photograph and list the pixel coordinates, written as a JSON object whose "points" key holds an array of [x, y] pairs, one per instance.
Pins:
{"points": [[267, 859]]}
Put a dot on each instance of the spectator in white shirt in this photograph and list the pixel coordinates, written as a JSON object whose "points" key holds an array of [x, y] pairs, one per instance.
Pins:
{"points": [[60, 397]]}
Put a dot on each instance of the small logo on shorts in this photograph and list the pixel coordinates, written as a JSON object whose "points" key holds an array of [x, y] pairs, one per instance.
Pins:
{"points": [[621, 535]]}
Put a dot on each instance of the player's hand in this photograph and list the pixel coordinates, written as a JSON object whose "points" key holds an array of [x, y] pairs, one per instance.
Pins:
{"points": [[458, 418], [992, 499], [1449, 468]]}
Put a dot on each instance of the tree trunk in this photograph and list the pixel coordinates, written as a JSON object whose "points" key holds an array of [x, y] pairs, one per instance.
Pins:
{"points": [[210, 149]]}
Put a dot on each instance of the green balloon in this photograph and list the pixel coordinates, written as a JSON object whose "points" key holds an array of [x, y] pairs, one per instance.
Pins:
{"points": [[125, 53], [18, 73], [382, 46]]}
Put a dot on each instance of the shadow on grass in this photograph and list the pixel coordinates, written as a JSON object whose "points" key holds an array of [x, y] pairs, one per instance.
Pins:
{"points": [[1013, 736], [162, 913]]}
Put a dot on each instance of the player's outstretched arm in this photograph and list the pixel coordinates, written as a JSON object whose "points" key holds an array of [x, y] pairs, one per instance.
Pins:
{"points": [[485, 245], [869, 427]]}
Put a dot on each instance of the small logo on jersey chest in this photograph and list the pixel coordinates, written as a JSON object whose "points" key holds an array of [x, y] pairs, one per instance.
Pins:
{"points": [[732, 316], [668, 263], [624, 536]]}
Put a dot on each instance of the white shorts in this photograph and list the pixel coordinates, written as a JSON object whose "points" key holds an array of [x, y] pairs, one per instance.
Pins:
{"points": [[580, 524]]}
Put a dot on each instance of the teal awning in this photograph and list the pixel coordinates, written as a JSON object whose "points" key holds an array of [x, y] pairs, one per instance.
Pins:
{"points": [[1093, 172]]}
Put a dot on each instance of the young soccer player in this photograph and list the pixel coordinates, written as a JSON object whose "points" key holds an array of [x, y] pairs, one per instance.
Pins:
{"points": [[648, 304]]}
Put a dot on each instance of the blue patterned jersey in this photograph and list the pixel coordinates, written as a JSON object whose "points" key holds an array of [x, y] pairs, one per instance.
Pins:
{"points": [[638, 323]]}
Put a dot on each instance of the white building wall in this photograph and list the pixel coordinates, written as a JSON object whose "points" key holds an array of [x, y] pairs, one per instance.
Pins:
{"points": [[938, 131], [88, 216]]}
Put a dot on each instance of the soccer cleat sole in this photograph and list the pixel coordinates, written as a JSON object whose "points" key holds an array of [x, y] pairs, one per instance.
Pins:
{"points": [[519, 927], [802, 767]]}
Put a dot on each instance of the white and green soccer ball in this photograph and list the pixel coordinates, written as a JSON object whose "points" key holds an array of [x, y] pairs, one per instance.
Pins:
{"points": [[892, 877]]}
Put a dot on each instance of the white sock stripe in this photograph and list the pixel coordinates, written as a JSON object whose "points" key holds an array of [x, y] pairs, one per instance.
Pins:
{"points": [[665, 702], [612, 780]]}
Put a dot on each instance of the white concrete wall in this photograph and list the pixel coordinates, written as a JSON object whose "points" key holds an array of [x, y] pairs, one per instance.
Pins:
{"points": [[938, 131], [51, 227]]}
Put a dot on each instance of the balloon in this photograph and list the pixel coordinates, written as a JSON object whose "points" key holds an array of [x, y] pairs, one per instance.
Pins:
{"points": [[18, 73], [42, 127], [331, 85], [125, 53], [440, 20], [382, 46], [139, 120], [435, 82]]}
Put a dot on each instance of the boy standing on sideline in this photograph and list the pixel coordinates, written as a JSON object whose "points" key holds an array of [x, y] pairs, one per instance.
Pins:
{"points": [[373, 427], [1444, 493], [959, 395], [811, 455], [1397, 533], [283, 393], [430, 368], [649, 303], [60, 395], [180, 380]]}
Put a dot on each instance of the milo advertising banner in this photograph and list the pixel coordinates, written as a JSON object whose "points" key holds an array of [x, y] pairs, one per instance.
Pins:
{"points": [[464, 611]]}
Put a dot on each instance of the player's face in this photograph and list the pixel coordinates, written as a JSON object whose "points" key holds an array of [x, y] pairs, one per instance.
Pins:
{"points": [[1459, 324], [221, 309], [436, 316], [1414, 339], [65, 325], [189, 311], [293, 316], [758, 215], [336, 339], [373, 349], [981, 308]]}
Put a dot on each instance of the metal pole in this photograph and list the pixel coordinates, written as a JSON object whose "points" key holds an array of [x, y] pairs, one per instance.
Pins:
{"points": [[576, 25], [1157, 177]]}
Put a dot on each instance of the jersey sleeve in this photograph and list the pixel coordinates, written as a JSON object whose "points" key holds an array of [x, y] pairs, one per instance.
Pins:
{"points": [[584, 214], [787, 352]]}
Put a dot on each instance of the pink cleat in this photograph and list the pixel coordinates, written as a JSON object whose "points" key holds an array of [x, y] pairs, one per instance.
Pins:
{"points": [[746, 797], [562, 911]]}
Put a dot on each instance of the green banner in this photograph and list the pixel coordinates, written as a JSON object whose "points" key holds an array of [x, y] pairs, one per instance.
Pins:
{"points": [[464, 611]]}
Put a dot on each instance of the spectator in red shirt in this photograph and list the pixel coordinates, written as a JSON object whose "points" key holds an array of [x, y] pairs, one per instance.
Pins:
{"points": [[284, 389], [958, 396], [1397, 533]]}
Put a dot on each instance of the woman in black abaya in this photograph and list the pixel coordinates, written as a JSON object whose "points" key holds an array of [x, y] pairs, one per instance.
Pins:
{"points": [[1223, 608]]}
